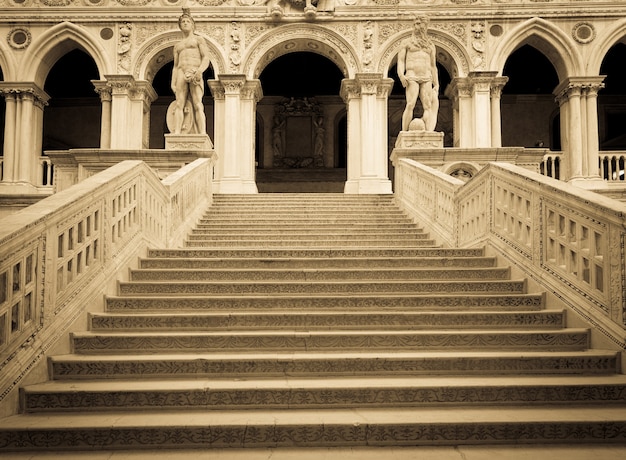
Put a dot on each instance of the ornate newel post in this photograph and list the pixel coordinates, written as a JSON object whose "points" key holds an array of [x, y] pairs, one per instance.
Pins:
{"points": [[577, 99], [22, 135], [235, 106], [128, 111], [366, 98]]}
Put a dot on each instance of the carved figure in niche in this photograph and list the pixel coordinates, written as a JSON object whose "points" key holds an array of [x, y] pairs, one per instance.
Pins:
{"points": [[191, 59], [277, 136], [318, 146], [417, 70]]}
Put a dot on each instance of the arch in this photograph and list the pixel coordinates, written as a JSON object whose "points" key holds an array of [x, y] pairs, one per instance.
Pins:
{"points": [[54, 43], [158, 51], [300, 37], [450, 54], [8, 64], [613, 36], [546, 37]]}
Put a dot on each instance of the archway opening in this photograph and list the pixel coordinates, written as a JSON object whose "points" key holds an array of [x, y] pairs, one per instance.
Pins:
{"points": [[2, 124], [74, 112], [301, 148], [528, 105], [165, 96], [612, 100]]}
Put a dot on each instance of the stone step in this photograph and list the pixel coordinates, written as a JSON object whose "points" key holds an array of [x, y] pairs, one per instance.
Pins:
{"points": [[261, 364], [314, 252], [329, 393], [312, 220], [322, 287], [573, 424], [374, 302], [305, 233], [320, 274], [293, 228], [296, 238], [301, 320], [315, 263], [320, 243], [323, 340]]}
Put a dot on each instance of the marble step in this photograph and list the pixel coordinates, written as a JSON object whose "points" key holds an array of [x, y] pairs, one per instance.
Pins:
{"points": [[320, 243], [304, 233], [296, 238], [314, 263], [316, 365], [388, 302], [352, 427], [328, 340], [322, 287], [544, 319], [291, 228], [329, 393], [320, 274], [337, 252]]}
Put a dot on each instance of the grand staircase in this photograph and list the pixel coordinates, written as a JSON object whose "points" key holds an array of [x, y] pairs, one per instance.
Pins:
{"points": [[321, 320]]}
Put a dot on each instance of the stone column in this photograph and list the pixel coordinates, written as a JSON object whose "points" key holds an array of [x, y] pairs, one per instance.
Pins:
{"points": [[496, 113], [104, 91], [568, 95], [460, 91], [142, 95], [23, 135], [366, 97], [592, 170], [481, 113], [235, 103], [127, 111]]}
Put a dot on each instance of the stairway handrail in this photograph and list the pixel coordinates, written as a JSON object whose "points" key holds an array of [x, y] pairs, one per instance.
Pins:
{"points": [[567, 240]]}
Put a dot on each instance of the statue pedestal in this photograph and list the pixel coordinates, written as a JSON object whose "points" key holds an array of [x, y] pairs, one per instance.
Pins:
{"points": [[419, 140], [188, 142]]}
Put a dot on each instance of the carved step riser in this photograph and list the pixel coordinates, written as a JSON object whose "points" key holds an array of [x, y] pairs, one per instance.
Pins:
{"points": [[305, 235], [277, 366], [320, 275], [242, 243], [315, 253], [416, 321], [168, 343], [320, 398], [292, 264], [461, 302], [319, 435], [312, 288]]}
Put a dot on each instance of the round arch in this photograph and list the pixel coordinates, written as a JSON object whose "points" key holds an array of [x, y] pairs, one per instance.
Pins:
{"points": [[557, 46], [299, 37], [613, 36], [157, 52], [56, 42], [450, 54]]}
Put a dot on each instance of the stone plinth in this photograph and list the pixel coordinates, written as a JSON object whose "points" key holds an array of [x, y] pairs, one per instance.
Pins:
{"points": [[419, 140], [188, 142]]}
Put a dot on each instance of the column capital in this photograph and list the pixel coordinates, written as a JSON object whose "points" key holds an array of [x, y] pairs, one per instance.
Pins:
{"points": [[103, 89], [576, 86], [365, 84], [120, 84], [24, 89]]}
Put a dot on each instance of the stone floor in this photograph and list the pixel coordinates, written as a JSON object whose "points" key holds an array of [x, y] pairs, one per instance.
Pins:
{"points": [[581, 452]]}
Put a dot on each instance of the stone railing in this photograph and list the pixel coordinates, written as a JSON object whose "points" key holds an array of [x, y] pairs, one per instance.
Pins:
{"points": [[60, 256], [612, 166], [569, 241]]}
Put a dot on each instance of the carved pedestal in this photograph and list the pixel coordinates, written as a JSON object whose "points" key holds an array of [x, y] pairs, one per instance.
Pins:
{"points": [[188, 142], [419, 140]]}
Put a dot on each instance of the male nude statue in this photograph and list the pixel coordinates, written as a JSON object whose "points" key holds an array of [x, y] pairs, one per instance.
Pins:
{"points": [[417, 69], [191, 59]]}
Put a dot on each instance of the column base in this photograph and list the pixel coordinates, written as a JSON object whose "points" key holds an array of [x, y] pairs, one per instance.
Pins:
{"points": [[188, 142], [235, 187], [371, 186], [419, 140]]}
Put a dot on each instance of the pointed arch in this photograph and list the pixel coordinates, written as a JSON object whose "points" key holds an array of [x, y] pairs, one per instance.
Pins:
{"points": [[300, 37], [546, 37], [56, 42], [611, 37], [450, 53], [8, 64], [158, 51]]}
